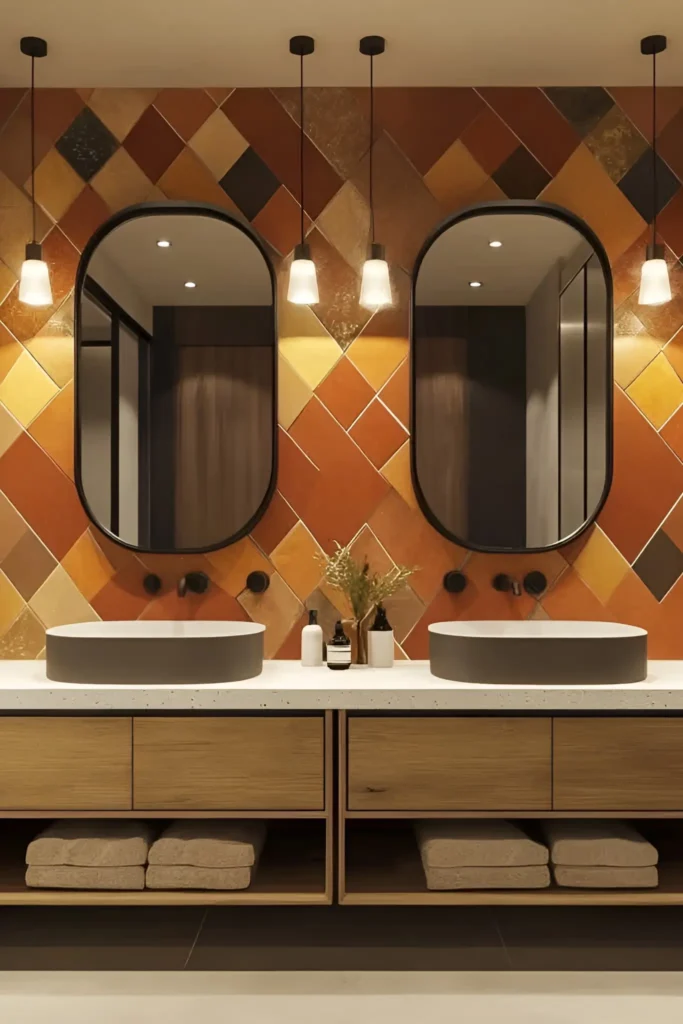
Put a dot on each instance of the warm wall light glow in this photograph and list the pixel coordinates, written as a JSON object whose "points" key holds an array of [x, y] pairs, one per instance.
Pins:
{"points": [[34, 281], [655, 288], [495, 244], [303, 280], [190, 284], [475, 284], [164, 243], [375, 288]]}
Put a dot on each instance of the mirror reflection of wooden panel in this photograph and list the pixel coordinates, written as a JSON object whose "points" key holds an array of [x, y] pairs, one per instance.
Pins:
{"points": [[175, 378], [511, 428]]}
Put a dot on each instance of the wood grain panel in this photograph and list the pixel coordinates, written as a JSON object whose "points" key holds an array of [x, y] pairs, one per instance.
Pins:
{"points": [[250, 763], [446, 763], [65, 763], [618, 763]]}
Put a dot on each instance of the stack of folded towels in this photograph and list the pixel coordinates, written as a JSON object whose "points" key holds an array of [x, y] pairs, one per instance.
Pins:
{"points": [[206, 855], [485, 854], [107, 854], [600, 855]]}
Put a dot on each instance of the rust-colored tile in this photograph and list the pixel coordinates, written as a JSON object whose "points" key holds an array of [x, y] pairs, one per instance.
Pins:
{"points": [[290, 649], [378, 433], [672, 432], [673, 524], [424, 122], [636, 102], [396, 393], [230, 566], [121, 598], [368, 550], [339, 310], [489, 140], [648, 480], [634, 347], [57, 184], [53, 429], [345, 392], [337, 122], [88, 566], [345, 222], [55, 110], [670, 224], [188, 178], [218, 144], [585, 188], [279, 222], [664, 639], [616, 143], [43, 495], [219, 94], [120, 109], [404, 610], [186, 110], [278, 609], [25, 638], [12, 526], [534, 119], [273, 134], [296, 559], [398, 187], [275, 524], [53, 345], [83, 217], [455, 177], [28, 564], [121, 182], [215, 603], [9, 101], [670, 144], [657, 391], [633, 604], [572, 599], [153, 144]]}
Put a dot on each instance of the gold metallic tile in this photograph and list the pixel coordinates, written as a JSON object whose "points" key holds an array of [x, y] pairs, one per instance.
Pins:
{"points": [[25, 638], [616, 143], [397, 472], [345, 222], [657, 391], [26, 389]]}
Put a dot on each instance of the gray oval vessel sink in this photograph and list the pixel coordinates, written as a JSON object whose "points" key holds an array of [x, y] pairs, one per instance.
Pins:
{"points": [[539, 653], [169, 653]]}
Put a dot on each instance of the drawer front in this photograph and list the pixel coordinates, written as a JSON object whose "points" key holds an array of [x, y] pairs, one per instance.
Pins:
{"points": [[449, 764], [618, 764], [65, 764], [243, 763]]}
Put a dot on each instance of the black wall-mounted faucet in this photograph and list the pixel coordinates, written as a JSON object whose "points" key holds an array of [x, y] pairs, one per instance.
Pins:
{"points": [[506, 584], [195, 582]]}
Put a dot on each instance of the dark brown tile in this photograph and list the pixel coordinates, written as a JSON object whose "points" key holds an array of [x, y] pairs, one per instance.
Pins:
{"points": [[534, 119], [87, 144], [521, 176], [83, 217], [489, 140], [55, 110], [337, 121], [660, 564], [250, 183], [153, 144], [28, 565], [338, 310], [583, 106], [636, 102], [637, 185], [424, 122], [186, 110], [9, 101]]}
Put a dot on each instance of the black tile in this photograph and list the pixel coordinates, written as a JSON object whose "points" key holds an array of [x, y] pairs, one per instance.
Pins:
{"points": [[637, 185], [660, 564], [250, 183], [87, 144], [521, 176], [583, 106]]}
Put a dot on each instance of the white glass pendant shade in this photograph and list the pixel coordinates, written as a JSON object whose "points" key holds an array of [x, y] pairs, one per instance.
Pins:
{"points": [[375, 288], [303, 280], [655, 287], [34, 281]]}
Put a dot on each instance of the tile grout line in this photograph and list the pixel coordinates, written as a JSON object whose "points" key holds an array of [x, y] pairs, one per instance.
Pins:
{"points": [[196, 938]]}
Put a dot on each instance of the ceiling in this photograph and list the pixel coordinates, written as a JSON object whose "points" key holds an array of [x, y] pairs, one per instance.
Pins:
{"points": [[429, 42]]}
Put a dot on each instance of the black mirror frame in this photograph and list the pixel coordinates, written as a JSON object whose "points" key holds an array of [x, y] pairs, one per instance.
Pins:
{"points": [[98, 236], [543, 209]]}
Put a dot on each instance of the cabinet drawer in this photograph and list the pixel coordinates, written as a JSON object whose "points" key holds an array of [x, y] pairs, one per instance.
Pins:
{"points": [[618, 764], [242, 763], [65, 764], [442, 764]]}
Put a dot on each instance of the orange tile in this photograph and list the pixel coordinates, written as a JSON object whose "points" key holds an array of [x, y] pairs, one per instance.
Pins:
{"points": [[455, 177], [601, 565], [672, 432], [572, 599], [55, 110], [536, 121], [230, 566], [88, 566], [121, 182], [188, 178], [10, 350], [296, 558], [489, 140], [53, 429], [83, 217], [633, 604], [367, 549], [396, 393], [397, 472], [57, 184], [120, 598], [345, 392], [186, 110], [657, 391], [278, 520], [278, 609], [636, 103], [378, 433], [673, 524], [279, 222]]}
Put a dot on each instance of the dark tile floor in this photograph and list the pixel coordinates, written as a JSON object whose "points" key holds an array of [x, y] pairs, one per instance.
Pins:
{"points": [[342, 938]]}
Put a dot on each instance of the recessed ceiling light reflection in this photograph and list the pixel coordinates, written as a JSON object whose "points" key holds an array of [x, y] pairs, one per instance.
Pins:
{"points": [[190, 284], [475, 284], [164, 243], [495, 244]]}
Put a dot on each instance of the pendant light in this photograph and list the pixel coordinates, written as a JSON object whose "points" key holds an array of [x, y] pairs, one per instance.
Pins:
{"points": [[34, 280], [655, 288], [303, 281], [375, 288]]}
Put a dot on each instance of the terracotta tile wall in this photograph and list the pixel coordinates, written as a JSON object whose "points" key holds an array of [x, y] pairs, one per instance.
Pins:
{"points": [[344, 378]]}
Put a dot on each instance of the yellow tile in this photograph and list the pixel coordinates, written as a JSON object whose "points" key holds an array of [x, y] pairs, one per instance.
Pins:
{"points": [[345, 222], [658, 391], [296, 559], [121, 182], [11, 603], [377, 357], [218, 144], [305, 343], [229, 567], [120, 109], [59, 601], [397, 472], [293, 393], [7, 281], [57, 185], [586, 189], [26, 389], [634, 348], [25, 639], [278, 609], [456, 177], [9, 429], [601, 566], [88, 566]]}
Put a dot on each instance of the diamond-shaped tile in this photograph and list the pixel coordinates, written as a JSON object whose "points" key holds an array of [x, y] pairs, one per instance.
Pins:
{"points": [[521, 176], [87, 144], [83, 217], [88, 566], [59, 602], [536, 121], [293, 393], [424, 122], [279, 222], [11, 603], [657, 391], [345, 222], [218, 144], [345, 392], [670, 144], [296, 558], [337, 122], [634, 347], [660, 564], [250, 183], [456, 177], [583, 106], [670, 224], [278, 520], [26, 389], [188, 178], [119, 109], [9, 429], [305, 343], [153, 144], [489, 140], [338, 310], [378, 433], [57, 185], [28, 564], [25, 638], [601, 566], [637, 185], [616, 143], [396, 393], [672, 432], [53, 429], [186, 110], [55, 111], [278, 609]]}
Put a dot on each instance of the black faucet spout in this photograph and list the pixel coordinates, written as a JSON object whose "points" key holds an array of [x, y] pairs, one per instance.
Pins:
{"points": [[507, 584]]}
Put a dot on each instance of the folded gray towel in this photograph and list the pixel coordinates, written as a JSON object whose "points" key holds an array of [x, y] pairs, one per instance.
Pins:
{"points": [[161, 876], [225, 843], [597, 843], [58, 876], [537, 877], [477, 843], [91, 843], [606, 877]]}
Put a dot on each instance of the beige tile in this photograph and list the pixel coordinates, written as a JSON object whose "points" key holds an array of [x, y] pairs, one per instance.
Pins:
{"points": [[296, 558], [26, 389], [120, 109], [59, 601], [9, 429], [657, 391], [121, 182], [397, 472], [601, 566], [345, 222], [53, 345], [218, 144], [11, 603], [456, 177], [292, 393], [12, 526], [634, 348], [57, 185], [25, 638], [377, 357], [278, 609]]}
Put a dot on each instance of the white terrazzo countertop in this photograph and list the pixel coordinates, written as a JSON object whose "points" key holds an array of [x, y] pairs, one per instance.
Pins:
{"points": [[286, 686]]}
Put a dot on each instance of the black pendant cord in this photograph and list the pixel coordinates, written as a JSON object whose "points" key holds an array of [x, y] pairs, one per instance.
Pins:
{"points": [[655, 190], [301, 146], [372, 146], [33, 145]]}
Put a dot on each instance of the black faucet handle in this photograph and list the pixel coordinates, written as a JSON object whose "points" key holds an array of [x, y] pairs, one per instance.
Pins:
{"points": [[152, 584], [505, 584], [454, 582], [195, 582], [258, 581], [535, 582]]}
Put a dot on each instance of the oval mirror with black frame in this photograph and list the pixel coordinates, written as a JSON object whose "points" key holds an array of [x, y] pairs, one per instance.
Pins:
{"points": [[511, 377], [176, 363]]}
